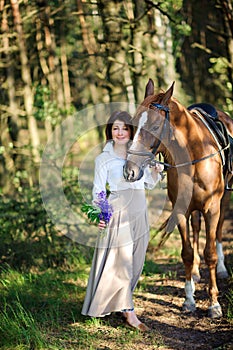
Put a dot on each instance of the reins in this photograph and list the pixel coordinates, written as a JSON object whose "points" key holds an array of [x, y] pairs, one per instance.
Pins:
{"points": [[150, 155], [152, 162]]}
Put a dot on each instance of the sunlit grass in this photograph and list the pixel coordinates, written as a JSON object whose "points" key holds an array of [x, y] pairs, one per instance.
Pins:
{"points": [[31, 304], [18, 326], [43, 311]]}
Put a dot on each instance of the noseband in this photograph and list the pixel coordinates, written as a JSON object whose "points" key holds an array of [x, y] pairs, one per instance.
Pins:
{"points": [[150, 155]]}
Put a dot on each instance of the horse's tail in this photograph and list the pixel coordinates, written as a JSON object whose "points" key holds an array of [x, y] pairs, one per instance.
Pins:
{"points": [[168, 227], [164, 224]]}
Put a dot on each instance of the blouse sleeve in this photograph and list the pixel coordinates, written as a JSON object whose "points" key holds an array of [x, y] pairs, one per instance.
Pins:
{"points": [[151, 181], [100, 177]]}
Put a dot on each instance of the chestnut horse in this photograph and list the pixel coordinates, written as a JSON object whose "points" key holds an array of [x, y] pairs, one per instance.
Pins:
{"points": [[195, 178]]}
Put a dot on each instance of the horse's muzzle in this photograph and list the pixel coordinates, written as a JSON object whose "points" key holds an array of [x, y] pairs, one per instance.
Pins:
{"points": [[132, 172]]}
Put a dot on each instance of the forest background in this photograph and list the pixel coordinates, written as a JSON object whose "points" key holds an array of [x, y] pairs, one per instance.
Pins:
{"points": [[60, 57]]}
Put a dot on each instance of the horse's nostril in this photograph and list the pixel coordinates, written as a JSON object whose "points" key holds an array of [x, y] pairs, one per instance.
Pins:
{"points": [[130, 173]]}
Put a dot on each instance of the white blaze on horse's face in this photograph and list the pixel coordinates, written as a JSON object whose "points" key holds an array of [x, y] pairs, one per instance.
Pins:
{"points": [[141, 123]]}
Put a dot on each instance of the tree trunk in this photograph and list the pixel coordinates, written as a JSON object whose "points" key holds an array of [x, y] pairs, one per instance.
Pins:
{"points": [[65, 71], [26, 77], [112, 25], [47, 54], [13, 108], [11, 117], [90, 46], [45, 70], [205, 62]]}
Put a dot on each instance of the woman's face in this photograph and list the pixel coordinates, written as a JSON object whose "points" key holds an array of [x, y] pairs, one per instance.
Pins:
{"points": [[120, 132]]}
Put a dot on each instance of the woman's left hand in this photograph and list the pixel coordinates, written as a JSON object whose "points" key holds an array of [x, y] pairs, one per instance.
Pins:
{"points": [[102, 224]]}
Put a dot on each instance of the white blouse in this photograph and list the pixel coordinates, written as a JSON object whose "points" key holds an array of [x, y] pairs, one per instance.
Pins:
{"points": [[109, 169]]}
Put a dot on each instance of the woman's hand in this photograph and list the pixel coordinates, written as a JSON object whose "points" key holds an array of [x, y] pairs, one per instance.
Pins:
{"points": [[158, 167], [156, 172], [102, 224]]}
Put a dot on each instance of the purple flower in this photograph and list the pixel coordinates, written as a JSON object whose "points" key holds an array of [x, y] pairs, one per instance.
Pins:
{"points": [[101, 210], [106, 208]]}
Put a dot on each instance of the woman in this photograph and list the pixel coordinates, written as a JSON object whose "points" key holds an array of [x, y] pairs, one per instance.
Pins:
{"points": [[120, 253]]}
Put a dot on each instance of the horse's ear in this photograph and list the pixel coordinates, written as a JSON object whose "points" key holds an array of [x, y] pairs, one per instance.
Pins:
{"points": [[149, 88], [168, 94]]}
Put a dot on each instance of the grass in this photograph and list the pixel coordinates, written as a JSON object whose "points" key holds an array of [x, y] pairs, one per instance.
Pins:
{"points": [[19, 327], [34, 306], [171, 248], [42, 310]]}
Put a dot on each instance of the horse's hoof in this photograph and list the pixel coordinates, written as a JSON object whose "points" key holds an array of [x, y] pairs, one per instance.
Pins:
{"points": [[222, 274], [188, 307], [215, 311]]}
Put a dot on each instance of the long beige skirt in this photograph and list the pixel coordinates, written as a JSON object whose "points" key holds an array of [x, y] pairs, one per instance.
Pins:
{"points": [[119, 256]]}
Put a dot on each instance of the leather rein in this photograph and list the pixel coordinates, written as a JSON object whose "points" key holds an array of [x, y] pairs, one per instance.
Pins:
{"points": [[150, 155]]}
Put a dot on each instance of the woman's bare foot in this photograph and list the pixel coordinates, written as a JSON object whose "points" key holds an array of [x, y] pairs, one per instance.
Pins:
{"points": [[133, 321], [131, 318]]}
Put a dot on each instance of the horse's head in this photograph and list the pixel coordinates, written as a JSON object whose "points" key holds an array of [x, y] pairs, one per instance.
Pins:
{"points": [[153, 129]]}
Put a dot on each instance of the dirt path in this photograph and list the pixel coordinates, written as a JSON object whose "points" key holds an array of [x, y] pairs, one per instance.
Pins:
{"points": [[162, 304]]}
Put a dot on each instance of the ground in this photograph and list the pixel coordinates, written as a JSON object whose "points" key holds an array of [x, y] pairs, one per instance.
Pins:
{"points": [[159, 302]]}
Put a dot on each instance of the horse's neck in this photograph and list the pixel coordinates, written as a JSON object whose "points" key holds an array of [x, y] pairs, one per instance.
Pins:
{"points": [[188, 129], [182, 146], [176, 153]]}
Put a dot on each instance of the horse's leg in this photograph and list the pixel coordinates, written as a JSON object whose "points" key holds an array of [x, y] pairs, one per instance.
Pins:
{"points": [[221, 269], [187, 257], [196, 227], [210, 255]]}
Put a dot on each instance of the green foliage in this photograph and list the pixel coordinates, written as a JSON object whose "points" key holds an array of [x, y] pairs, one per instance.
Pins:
{"points": [[28, 235], [220, 68], [173, 9], [91, 211], [179, 26], [19, 179], [46, 107], [26, 231]]}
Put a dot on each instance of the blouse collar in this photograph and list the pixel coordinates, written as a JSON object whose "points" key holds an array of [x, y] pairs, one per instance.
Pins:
{"points": [[109, 148]]}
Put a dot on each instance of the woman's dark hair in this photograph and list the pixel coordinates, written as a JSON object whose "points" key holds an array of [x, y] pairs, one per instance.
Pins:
{"points": [[123, 117]]}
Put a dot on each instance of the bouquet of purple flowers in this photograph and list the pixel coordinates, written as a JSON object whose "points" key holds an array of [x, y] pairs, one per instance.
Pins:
{"points": [[101, 210]]}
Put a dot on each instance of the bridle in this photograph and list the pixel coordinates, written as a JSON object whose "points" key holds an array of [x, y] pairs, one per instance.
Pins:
{"points": [[150, 155]]}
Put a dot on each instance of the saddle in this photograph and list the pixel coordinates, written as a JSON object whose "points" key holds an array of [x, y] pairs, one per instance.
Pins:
{"points": [[217, 127]]}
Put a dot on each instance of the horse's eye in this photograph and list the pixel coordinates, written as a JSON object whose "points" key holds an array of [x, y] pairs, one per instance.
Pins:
{"points": [[155, 128]]}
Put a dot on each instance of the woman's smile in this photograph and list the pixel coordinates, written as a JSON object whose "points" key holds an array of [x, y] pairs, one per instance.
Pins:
{"points": [[120, 132]]}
